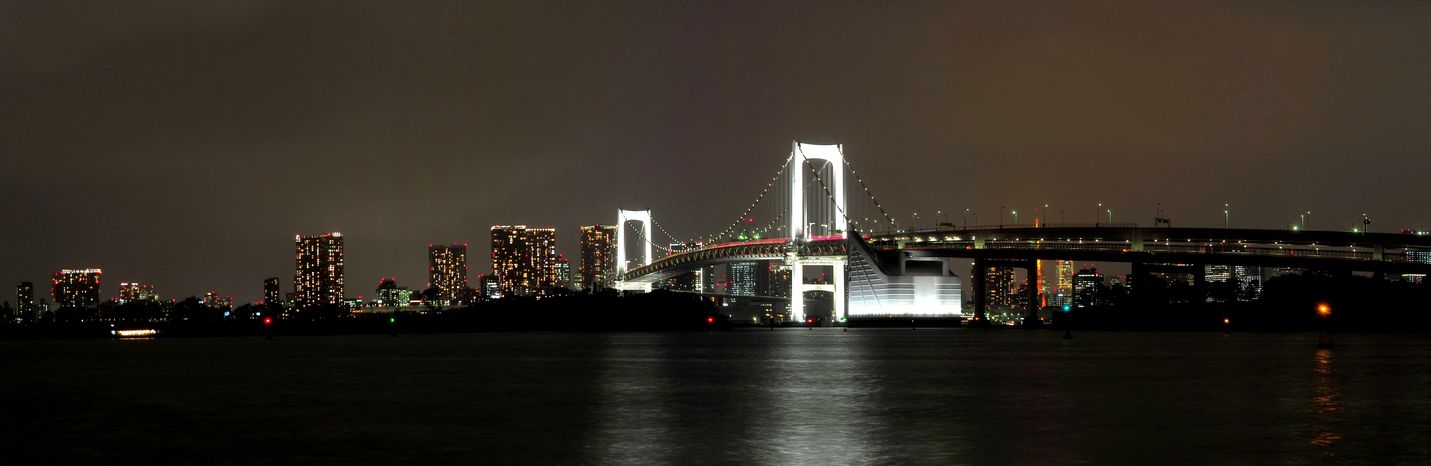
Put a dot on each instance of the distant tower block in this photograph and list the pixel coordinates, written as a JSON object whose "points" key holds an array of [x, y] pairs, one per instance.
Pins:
{"points": [[622, 216]]}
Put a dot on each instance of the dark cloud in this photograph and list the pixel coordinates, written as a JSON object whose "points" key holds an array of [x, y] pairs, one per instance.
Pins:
{"points": [[185, 142]]}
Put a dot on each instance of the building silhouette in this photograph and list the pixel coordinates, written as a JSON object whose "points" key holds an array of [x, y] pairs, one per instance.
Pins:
{"points": [[596, 268], [447, 272], [25, 300], [1000, 287], [318, 278], [76, 287], [1063, 278], [271, 293], [391, 295], [1087, 288], [524, 259], [135, 292], [563, 272]]}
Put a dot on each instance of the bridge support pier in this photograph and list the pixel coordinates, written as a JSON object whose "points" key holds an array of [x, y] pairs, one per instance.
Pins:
{"points": [[798, 287], [797, 292], [981, 297], [841, 297], [1031, 317], [1138, 278]]}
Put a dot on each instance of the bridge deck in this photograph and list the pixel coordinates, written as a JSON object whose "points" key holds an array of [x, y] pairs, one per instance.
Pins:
{"points": [[1371, 252]]}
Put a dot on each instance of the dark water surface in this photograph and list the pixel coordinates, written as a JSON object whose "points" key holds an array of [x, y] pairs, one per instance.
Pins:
{"points": [[750, 397]]}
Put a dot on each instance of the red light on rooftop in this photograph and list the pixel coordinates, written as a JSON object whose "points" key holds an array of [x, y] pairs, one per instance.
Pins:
{"points": [[267, 321], [710, 319]]}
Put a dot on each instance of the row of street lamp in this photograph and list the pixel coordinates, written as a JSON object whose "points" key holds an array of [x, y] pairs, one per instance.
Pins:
{"points": [[1102, 211]]}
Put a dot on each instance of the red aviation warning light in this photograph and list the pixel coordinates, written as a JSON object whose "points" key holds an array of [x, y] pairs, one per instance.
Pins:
{"points": [[710, 319]]}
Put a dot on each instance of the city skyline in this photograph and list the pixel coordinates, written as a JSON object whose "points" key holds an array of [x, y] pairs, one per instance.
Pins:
{"points": [[180, 148]]}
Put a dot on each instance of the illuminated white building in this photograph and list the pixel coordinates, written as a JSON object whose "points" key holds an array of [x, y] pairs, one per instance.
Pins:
{"points": [[899, 286]]}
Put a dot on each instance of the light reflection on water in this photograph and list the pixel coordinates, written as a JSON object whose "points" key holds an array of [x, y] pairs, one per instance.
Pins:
{"points": [[1324, 401], [751, 397]]}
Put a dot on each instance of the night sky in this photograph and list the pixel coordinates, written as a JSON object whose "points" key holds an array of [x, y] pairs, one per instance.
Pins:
{"points": [[184, 143]]}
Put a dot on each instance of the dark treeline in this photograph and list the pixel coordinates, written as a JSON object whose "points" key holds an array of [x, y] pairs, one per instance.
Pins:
{"points": [[656, 311], [1287, 303]]}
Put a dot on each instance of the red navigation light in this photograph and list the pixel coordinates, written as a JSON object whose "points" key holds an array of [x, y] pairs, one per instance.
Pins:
{"points": [[710, 319], [810, 320], [267, 321]]}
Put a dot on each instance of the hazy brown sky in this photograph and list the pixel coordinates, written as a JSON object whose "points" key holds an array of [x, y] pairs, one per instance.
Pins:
{"points": [[186, 142]]}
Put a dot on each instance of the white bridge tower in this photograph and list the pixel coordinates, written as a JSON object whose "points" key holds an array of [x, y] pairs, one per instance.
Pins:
{"points": [[833, 155], [622, 216]]}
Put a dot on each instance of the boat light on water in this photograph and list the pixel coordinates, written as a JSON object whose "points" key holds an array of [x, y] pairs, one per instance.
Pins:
{"points": [[135, 333]]}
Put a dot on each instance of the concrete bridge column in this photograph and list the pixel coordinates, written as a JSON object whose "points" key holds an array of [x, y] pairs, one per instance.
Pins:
{"points": [[1138, 278], [840, 297], [1031, 317], [797, 292], [981, 298]]}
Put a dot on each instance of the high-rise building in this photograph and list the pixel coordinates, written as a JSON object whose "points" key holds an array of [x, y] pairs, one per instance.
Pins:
{"points": [[779, 280], [563, 272], [1086, 285], [318, 279], [271, 291], [524, 259], [999, 287], [447, 272], [1249, 280], [488, 287], [77, 288], [597, 265], [25, 298], [135, 292], [748, 278], [1217, 272], [1063, 270], [392, 295]]}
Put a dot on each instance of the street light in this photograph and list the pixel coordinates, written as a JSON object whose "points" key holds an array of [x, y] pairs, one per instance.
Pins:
{"points": [[1110, 216], [1001, 217], [1016, 218], [1226, 216], [1095, 214]]}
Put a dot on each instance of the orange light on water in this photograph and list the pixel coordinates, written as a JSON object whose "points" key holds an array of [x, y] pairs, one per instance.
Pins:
{"points": [[1324, 310]]}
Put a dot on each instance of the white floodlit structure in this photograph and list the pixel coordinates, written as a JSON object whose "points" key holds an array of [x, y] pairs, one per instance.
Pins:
{"points": [[901, 287], [799, 154], [623, 216], [834, 155]]}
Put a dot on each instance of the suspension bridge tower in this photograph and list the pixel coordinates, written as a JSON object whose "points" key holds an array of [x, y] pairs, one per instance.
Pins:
{"points": [[828, 211], [622, 254]]}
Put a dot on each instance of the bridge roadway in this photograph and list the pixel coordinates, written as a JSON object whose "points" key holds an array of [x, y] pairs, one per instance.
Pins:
{"points": [[1323, 250], [1147, 249]]}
